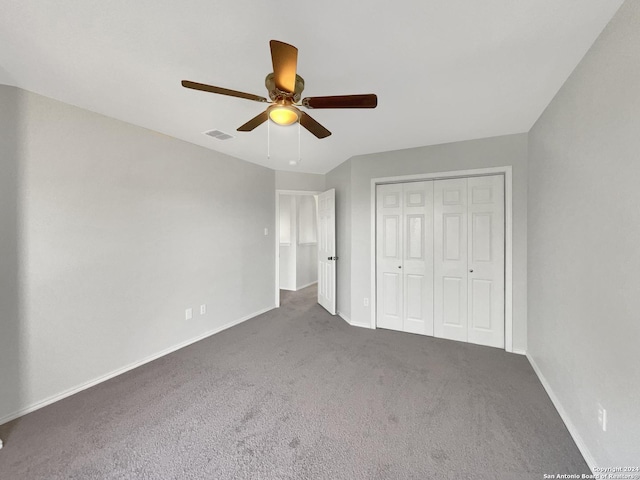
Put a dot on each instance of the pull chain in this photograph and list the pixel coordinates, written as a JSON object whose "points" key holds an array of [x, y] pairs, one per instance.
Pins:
{"points": [[268, 140], [299, 154]]}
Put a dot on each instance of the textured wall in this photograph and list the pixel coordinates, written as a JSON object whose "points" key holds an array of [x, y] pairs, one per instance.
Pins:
{"points": [[584, 237], [120, 230]]}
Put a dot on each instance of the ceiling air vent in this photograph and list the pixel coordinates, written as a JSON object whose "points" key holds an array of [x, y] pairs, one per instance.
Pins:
{"points": [[218, 134]]}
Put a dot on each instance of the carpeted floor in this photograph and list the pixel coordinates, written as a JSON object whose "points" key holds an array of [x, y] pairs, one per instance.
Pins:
{"points": [[298, 394]]}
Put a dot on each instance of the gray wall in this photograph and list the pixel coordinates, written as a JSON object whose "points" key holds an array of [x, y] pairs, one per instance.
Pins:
{"points": [[584, 243], [340, 179], [489, 152], [121, 229], [11, 327], [311, 182]]}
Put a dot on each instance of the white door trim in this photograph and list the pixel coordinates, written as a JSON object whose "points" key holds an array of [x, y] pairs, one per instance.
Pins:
{"points": [[276, 234], [508, 235]]}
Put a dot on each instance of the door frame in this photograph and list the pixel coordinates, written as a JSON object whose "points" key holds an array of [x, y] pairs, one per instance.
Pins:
{"points": [[276, 232], [508, 234]]}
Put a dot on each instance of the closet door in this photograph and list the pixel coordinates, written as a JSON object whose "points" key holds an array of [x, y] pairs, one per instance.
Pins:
{"points": [[389, 294], [404, 252], [486, 260], [418, 257], [450, 259]]}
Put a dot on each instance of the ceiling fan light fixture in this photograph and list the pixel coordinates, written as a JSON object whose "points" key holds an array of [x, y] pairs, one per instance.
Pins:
{"points": [[284, 114], [285, 88]]}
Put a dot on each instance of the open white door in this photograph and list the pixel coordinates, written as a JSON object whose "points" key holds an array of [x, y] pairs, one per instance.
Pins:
{"points": [[327, 250]]}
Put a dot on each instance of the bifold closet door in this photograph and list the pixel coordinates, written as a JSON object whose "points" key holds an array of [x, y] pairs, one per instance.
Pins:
{"points": [[404, 252], [450, 258], [469, 260], [486, 260], [389, 256]]}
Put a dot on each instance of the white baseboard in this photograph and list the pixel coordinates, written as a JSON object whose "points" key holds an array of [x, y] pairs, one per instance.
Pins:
{"points": [[353, 324], [115, 373], [360, 325], [519, 352], [573, 431], [307, 285]]}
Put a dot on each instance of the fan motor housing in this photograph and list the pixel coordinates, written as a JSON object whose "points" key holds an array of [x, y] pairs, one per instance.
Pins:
{"points": [[276, 94]]}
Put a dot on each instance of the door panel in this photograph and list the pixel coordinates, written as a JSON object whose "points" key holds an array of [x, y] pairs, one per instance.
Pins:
{"points": [[327, 250], [392, 283], [480, 293], [486, 262], [417, 262], [453, 238], [451, 300], [404, 238], [391, 237], [389, 257], [415, 237], [481, 230], [450, 259]]}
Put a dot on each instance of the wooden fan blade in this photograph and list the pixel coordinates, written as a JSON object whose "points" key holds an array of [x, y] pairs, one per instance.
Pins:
{"points": [[254, 122], [342, 101], [314, 127], [285, 63], [221, 91]]}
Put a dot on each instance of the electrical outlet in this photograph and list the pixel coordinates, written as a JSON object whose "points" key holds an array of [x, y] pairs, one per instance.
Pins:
{"points": [[203, 309], [266, 232], [366, 302], [188, 314], [602, 417]]}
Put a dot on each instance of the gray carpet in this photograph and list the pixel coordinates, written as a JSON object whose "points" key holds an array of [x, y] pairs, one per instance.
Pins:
{"points": [[299, 394]]}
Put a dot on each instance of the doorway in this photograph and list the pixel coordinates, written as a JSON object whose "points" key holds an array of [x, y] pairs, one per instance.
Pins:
{"points": [[296, 240]]}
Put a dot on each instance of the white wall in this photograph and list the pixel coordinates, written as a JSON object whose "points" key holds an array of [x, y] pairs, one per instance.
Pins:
{"points": [[488, 152], [120, 229], [584, 244]]}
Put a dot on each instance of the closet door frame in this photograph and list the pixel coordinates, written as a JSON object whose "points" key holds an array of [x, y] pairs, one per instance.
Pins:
{"points": [[508, 234]]}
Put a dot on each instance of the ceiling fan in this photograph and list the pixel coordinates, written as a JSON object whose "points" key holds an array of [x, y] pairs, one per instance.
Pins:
{"points": [[285, 87]]}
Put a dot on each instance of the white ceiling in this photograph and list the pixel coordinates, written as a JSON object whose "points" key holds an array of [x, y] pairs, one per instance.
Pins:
{"points": [[443, 70]]}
